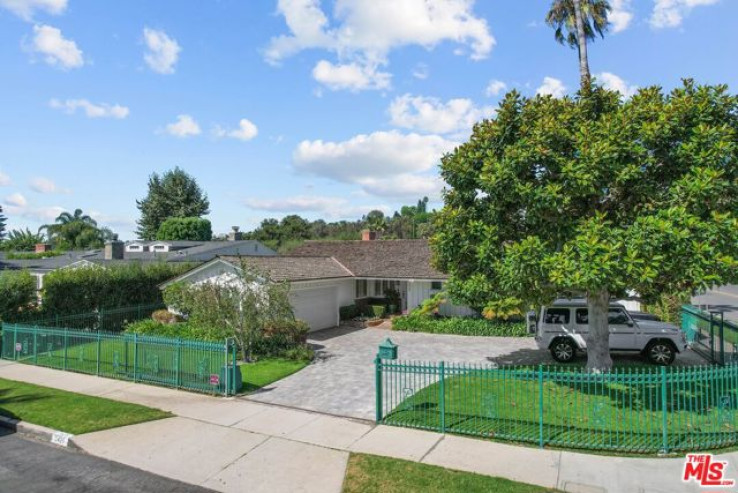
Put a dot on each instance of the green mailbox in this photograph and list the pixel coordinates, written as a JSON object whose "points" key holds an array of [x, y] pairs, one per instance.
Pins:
{"points": [[388, 350]]}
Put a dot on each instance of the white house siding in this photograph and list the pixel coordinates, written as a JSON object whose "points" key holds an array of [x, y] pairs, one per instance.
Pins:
{"points": [[419, 291]]}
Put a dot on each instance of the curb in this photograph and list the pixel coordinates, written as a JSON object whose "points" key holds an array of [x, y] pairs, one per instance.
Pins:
{"points": [[38, 432]]}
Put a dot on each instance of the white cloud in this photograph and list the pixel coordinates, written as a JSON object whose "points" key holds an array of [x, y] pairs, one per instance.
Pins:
{"points": [[382, 163], [615, 83], [163, 51], [495, 87], [185, 126], [432, 115], [101, 110], [112, 220], [621, 15], [246, 131], [553, 87], [56, 50], [364, 32], [351, 76], [25, 9], [671, 13], [4, 180], [330, 207], [44, 185], [16, 200]]}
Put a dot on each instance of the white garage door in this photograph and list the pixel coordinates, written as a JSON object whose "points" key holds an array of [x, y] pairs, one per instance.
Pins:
{"points": [[318, 307]]}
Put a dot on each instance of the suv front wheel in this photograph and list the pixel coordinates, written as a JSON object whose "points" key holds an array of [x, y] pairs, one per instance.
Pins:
{"points": [[661, 352], [563, 350]]}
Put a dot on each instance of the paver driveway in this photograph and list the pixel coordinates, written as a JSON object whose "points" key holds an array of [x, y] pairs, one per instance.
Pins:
{"points": [[341, 380]]}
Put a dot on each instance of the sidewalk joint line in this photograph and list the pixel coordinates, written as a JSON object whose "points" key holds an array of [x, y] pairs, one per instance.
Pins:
{"points": [[443, 437]]}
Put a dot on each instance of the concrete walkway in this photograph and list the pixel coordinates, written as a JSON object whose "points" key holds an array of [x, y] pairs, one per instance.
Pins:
{"points": [[238, 445]]}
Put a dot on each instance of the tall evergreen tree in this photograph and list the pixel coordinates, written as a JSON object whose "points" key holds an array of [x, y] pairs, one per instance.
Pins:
{"points": [[3, 220], [173, 194]]}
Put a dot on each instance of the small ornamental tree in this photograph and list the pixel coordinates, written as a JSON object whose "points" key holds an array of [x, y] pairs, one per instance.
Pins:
{"points": [[593, 195], [243, 304], [185, 229]]}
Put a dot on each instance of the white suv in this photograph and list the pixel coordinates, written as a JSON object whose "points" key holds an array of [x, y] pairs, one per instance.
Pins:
{"points": [[562, 329]]}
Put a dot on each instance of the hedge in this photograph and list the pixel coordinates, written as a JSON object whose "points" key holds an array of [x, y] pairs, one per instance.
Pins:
{"points": [[465, 326], [70, 291], [17, 292]]}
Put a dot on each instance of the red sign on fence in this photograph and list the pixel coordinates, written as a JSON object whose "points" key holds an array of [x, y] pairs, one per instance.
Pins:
{"points": [[18, 347], [214, 380]]}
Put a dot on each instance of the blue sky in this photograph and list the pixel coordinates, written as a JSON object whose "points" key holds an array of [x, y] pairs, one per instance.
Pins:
{"points": [[322, 108]]}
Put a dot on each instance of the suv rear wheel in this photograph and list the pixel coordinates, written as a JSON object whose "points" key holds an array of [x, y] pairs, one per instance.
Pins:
{"points": [[563, 350], [661, 352]]}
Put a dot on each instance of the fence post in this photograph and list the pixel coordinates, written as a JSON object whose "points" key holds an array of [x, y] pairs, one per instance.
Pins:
{"points": [[178, 378], [135, 356], [442, 403], [35, 346], [722, 340], [15, 341], [378, 386], [226, 389], [97, 369], [664, 421], [712, 337], [233, 375], [66, 343], [540, 405]]}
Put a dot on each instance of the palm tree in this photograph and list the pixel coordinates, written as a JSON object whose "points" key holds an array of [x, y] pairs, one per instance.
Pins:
{"points": [[576, 22], [75, 230]]}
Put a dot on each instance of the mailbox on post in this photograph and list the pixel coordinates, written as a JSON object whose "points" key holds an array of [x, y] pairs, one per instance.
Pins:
{"points": [[387, 350]]}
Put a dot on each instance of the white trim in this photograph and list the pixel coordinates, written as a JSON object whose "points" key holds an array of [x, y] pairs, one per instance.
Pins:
{"points": [[194, 271]]}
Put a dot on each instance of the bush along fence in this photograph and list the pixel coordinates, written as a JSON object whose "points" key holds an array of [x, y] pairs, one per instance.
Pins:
{"points": [[105, 319], [628, 410], [192, 365], [710, 335]]}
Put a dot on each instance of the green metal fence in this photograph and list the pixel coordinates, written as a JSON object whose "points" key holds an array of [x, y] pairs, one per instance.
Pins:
{"points": [[193, 365], [710, 335], [106, 319], [635, 410]]}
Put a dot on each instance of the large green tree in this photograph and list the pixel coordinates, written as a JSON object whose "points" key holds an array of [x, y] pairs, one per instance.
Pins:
{"points": [[185, 228], [173, 194], [22, 240], [576, 22], [593, 195], [76, 230]]}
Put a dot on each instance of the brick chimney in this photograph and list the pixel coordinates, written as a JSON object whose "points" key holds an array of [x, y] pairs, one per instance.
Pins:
{"points": [[235, 235], [43, 247], [114, 249], [368, 235]]}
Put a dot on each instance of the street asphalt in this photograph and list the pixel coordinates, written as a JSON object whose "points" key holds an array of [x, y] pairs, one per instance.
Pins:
{"points": [[34, 467]]}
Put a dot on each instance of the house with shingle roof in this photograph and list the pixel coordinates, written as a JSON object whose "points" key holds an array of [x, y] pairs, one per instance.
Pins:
{"points": [[327, 275]]}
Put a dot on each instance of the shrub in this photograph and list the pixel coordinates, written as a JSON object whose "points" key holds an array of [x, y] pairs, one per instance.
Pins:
{"points": [[166, 317], [300, 353], [280, 337], [348, 312], [182, 330], [460, 326], [70, 291], [33, 255], [185, 228], [393, 298], [378, 311], [17, 294]]}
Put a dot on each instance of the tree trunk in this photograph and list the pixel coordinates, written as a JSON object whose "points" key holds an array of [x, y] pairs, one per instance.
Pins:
{"points": [[582, 47], [598, 339]]}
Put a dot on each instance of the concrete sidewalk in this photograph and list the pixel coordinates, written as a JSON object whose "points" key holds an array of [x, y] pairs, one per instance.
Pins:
{"points": [[238, 445]]}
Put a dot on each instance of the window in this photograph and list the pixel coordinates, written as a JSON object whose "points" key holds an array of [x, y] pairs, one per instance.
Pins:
{"points": [[582, 316], [436, 285], [557, 316], [377, 288], [617, 316], [361, 288]]}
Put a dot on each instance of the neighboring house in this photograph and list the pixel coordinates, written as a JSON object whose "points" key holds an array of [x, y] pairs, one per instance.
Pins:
{"points": [[326, 275], [118, 253]]}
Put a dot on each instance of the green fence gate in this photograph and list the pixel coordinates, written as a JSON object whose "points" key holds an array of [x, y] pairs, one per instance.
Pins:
{"points": [[640, 410], [710, 335], [193, 365]]}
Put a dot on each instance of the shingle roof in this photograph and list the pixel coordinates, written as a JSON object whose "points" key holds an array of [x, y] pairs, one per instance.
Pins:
{"points": [[403, 259], [291, 268]]}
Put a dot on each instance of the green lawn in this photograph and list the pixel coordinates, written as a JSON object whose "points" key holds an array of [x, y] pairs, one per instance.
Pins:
{"points": [[577, 413], [263, 372], [373, 474], [67, 411]]}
